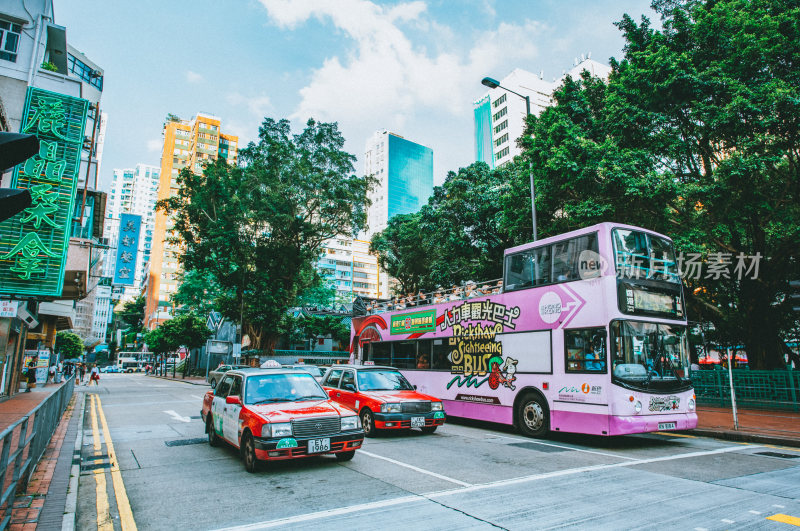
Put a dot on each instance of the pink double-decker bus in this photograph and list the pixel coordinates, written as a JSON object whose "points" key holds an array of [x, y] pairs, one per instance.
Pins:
{"points": [[587, 335]]}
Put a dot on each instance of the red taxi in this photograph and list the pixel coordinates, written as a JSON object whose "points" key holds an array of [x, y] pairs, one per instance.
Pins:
{"points": [[272, 414], [383, 398]]}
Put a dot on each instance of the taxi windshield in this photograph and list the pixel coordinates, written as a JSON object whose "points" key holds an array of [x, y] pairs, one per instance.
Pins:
{"points": [[266, 388], [382, 381]]}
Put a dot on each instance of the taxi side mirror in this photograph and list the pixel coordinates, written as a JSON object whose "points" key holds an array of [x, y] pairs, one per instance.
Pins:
{"points": [[235, 400], [415, 387], [349, 387]]}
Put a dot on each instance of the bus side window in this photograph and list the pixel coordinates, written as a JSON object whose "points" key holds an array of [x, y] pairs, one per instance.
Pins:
{"points": [[424, 354], [439, 353], [381, 353], [541, 266], [404, 355], [585, 350]]}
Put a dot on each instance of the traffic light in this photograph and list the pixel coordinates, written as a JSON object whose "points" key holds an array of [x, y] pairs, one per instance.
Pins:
{"points": [[15, 148], [794, 295]]}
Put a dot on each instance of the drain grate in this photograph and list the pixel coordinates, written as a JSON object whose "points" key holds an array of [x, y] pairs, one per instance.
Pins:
{"points": [[186, 442], [778, 454]]}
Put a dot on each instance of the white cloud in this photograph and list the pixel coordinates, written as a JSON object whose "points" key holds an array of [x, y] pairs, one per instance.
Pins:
{"points": [[193, 77], [257, 105], [154, 145], [385, 80]]}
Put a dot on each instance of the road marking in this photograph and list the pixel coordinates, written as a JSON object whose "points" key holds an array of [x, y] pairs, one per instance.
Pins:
{"points": [[197, 397], [485, 486], [725, 520], [785, 518], [700, 529], [104, 522], [779, 506], [754, 512], [669, 434], [175, 416], [566, 447], [123, 504], [416, 469]]}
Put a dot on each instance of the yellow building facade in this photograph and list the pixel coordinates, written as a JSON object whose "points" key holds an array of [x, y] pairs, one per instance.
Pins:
{"points": [[187, 144]]}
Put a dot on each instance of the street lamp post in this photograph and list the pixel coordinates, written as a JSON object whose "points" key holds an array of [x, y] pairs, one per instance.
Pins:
{"points": [[493, 84]]}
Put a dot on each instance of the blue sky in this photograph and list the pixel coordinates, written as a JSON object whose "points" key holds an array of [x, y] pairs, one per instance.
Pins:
{"points": [[411, 67]]}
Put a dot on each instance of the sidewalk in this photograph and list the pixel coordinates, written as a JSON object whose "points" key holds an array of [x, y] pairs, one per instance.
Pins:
{"points": [[759, 426], [19, 405]]}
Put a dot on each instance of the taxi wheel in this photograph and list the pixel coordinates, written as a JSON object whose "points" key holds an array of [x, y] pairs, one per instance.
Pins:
{"points": [[368, 423], [249, 453], [213, 384], [345, 456], [429, 429], [213, 438]]}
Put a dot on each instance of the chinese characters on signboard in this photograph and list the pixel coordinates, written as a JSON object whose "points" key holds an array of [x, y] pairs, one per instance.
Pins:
{"points": [[34, 243], [127, 249]]}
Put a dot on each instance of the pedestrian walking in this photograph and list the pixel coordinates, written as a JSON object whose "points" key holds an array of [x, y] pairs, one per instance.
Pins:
{"points": [[31, 375], [95, 376], [51, 374]]}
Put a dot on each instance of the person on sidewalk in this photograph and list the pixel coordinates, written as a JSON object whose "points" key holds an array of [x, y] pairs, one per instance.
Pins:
{"points": [[81, 373], [31, 375], [51, 374], [94, 376]]}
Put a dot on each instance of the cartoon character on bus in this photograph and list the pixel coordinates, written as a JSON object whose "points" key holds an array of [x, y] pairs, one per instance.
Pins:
{"points": [[503, 372]]}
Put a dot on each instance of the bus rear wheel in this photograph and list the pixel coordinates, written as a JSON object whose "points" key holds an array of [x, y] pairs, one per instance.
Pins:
{"points": [[533, 416]]}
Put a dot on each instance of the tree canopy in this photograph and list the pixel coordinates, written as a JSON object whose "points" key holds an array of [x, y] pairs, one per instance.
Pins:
{"points": [[256, 228], [132, 313], [695, 135], [68, 345]]}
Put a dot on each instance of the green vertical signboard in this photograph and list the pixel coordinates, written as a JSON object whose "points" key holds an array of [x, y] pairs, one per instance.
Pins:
{"points": [[34, 243]]}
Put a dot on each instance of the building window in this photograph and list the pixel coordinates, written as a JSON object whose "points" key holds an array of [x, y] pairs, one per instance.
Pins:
{"points": [[499, 114], [501, 126], [501, 140], [499, 101], [9, 40], [85, 72], [503, 152]]}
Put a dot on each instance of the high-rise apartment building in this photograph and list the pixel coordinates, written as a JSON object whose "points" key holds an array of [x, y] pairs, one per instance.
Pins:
{"points": [[347, 265], [133, 191], [187, 144], [404, 170], [500, 115]]}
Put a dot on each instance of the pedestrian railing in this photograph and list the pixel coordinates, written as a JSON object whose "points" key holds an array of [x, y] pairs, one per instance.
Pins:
{"points": [[754, 389], [25, 441]]}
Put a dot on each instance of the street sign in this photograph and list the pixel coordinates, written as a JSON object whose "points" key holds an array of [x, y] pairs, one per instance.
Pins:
{"points": [[127, 249], [34, 243]]}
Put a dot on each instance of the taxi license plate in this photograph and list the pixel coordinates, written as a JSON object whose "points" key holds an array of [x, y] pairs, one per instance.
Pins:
{"points": [[666, 426], [316, 446], [417, 422]]}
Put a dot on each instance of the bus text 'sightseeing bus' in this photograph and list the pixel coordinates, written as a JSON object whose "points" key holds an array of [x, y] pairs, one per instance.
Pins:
{"points": [[587, 336]]}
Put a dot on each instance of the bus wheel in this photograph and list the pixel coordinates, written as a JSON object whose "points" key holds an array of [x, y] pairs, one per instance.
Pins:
{"points": [[532, 416]]}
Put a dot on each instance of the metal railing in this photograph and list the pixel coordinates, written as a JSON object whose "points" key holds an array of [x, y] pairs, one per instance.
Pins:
{"points": [[309, 357], [22, 448], [754, 389]]}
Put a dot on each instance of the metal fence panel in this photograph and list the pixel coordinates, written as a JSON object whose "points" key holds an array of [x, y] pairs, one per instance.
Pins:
{"points": [[754, 389], [22, 448]]}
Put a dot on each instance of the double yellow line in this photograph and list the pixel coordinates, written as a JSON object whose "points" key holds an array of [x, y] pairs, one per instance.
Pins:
{"points": [[104, 521]]}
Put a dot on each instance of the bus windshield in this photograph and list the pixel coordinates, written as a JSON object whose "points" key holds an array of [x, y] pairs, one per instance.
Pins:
{"points": [[650, 355]]}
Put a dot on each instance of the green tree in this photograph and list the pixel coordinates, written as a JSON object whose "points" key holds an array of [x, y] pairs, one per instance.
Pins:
{"points": [[695, 135], [132, 313], [197, 292], [317, 326], [68, 345], [403, 251], [257, 228]]}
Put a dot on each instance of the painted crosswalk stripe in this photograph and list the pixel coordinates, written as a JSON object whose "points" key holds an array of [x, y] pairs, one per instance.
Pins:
{"points": [[725, 520]]}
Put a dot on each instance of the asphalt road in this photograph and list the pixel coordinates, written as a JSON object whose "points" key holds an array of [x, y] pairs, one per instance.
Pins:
{"points": [[465, 476]]}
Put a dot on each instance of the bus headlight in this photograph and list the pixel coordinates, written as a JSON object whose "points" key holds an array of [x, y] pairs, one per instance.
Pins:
{"points": [[391, 408], [691, 404], [436, 406], [638, 406]]}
